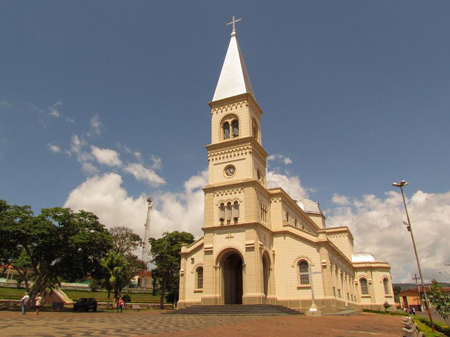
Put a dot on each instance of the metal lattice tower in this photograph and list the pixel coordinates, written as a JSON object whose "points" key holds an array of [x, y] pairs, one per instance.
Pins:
{"points": [[146, 245]]}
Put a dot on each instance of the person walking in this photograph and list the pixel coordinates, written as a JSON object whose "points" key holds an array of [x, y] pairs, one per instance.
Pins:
{"points": [[24, 302], [38, 301]]}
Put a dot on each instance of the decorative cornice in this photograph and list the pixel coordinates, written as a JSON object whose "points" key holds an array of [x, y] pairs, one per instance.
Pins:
{"points": [[228, 192], [229, 107], [227, 153]]}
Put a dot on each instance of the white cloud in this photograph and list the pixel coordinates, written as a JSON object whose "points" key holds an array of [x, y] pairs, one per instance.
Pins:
{"points": [[95, 125], [280, 157], [377, 228], [340, 200], [53, 148], [77, 148], [107, 198], [4, 104], [106, 156], [291, 184], [89, 169], [157, 162], [144, 174], [54, 109]]}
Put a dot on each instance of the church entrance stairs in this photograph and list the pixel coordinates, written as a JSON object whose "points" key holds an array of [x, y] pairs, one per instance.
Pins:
{"points": [[232, 310]]}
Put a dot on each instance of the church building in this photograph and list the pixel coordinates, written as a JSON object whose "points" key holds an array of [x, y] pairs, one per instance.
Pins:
{"points": [[260, 246]]}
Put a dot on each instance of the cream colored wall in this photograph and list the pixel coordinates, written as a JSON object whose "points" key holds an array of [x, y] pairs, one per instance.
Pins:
{"points": [[192, 293], [243, 107], [318, 219], [343, 241], [380, 296], [288, 251]]}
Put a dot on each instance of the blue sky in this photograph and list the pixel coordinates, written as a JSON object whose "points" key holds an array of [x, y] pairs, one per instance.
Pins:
{"points": [[104, 102]]}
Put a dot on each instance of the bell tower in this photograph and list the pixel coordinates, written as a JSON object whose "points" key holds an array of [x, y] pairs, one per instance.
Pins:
{"points": [[236, 158]]}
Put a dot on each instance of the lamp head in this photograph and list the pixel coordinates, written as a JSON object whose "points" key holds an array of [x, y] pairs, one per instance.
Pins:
{"points": [[408, 227], [400, 184]]}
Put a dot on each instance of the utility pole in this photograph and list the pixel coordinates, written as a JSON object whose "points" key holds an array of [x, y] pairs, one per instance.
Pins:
{"points": [[418, 291]]}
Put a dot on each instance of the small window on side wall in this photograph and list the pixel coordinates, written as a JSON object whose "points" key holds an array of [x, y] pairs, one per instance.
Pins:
{"points": [[304, 272], [386, 286], [364, 288], [199, 278]]}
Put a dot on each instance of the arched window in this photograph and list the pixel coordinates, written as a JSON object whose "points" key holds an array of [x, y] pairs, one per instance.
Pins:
{"points": [[364, 288], [255, 130], [229, 211], [226, 130], [303, 267], [386, 285], [235, 125], [222, 211], [236, 210], [199, 278]]}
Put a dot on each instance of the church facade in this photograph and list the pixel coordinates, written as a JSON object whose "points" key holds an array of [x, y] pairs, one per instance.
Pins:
{"points": [[260, 246]]}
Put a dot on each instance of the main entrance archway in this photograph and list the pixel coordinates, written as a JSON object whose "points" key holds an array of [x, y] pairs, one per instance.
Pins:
{"points": [[232, 278]]}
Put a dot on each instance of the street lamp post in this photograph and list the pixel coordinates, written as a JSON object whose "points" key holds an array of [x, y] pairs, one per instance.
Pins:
{"points": [[409, 228]]}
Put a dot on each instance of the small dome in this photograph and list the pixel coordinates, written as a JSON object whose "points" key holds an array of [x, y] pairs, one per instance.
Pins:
{"points": [[362, 257], [309, 206]]}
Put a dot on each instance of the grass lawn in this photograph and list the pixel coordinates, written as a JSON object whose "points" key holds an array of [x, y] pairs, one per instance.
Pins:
{"points": [[100, 296]]}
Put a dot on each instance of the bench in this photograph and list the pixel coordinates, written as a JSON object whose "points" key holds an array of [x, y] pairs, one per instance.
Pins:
{"points": [[136, 307], [5, 306]]}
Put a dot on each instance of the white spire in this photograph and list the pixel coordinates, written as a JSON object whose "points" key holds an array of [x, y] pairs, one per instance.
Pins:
{"points": [[233, 78]]}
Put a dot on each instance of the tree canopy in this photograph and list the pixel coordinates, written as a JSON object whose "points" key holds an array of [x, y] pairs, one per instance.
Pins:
{"points": [[120, 265], [125, 241], [57, 244], [166, 257], [441, 300]]}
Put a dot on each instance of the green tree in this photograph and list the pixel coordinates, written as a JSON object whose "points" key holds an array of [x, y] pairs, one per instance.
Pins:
{"points": [[441, 300], [165, 253], [120, 265], [397, 291], [125, 242], [58, 244], [116, 273]]}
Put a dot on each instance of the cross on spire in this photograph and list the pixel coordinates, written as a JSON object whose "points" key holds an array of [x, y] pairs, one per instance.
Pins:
{"points": [[234, 24]]}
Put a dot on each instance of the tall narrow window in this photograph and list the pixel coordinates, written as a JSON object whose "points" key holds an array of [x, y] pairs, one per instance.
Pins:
{"points": [[304, 272], [386, 286], [226, 130], [222, 211], [255, 130], [235, 125], [236, 209], [364, 288], [229, 211], [200, 278]]}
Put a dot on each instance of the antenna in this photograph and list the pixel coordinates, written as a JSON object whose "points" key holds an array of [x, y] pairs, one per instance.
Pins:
{"points": [[146, 245]]}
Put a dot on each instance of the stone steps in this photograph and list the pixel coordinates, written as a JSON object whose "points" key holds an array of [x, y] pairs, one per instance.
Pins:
{"points": [[237, 309]]}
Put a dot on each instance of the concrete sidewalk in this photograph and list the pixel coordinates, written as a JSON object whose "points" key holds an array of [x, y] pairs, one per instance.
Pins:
{"points": [[155, 323]]}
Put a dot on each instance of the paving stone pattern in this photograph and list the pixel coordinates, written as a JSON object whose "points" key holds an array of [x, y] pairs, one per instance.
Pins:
{"points": [[154, 323], [107, 324]]}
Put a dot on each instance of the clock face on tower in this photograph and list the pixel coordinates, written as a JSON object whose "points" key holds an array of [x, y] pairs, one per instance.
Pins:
{"points": [[230, 170]]}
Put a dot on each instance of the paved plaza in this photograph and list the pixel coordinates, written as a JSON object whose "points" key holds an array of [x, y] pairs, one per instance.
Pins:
{"points": [[155, 323]]}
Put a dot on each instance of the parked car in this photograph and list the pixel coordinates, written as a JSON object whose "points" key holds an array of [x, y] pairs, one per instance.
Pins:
{"points": [[84, 304]]}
